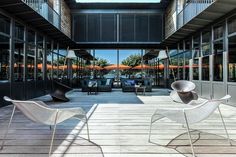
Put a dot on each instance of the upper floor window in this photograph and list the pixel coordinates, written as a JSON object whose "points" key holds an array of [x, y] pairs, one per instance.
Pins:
{"points": [[196, 47], [232, 25], [4, 24], [218, 32], [19, 31]]}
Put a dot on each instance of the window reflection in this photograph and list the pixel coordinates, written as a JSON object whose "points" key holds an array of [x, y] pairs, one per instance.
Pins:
{"points": [[4, 58], [18, 60], [195, 69], [188, 56], [232, 60], [218, 61], [30, 50], [205, 69], [4, 24], [40, 57]]}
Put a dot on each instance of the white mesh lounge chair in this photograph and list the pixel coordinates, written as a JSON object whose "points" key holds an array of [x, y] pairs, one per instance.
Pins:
{"points": [[191, 113], [39, 112]]}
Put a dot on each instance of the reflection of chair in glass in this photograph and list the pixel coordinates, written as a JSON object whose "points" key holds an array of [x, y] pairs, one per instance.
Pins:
{"points": [[39, 112], [59, 91], [190, 114], [183, 91]]}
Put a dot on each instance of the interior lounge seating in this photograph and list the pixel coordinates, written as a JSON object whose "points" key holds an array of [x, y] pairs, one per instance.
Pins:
{"points": [[39, 112], [104, 85], [190, 113], [59, 91], [128, 85]]}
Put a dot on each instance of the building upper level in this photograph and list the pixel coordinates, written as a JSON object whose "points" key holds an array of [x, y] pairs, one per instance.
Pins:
{"points": [[120, 23], [185, 17]]}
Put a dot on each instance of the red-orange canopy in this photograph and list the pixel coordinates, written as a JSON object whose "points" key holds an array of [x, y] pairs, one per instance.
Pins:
{"points": [[139, 67], [160, 66], [173, 66], [115, 66], [95, 67]]}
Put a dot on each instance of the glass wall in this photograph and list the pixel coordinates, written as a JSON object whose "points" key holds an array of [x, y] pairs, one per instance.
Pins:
{"points": [[4, 47], [232, 50], [40, 51], [30, 51], [19, 52], [218, 53], [206, 51], [196, 55]]}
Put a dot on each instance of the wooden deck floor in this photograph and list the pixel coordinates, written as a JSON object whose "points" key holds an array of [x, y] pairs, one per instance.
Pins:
{"points": [[119, 126]]}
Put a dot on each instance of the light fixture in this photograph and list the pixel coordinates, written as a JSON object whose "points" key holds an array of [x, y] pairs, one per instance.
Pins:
{"points": [[162, 54], [71, 54]]}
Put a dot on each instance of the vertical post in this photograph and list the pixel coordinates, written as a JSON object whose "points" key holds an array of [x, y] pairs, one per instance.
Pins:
{"points": [[25, 60], [225, 56], [11, 56]]}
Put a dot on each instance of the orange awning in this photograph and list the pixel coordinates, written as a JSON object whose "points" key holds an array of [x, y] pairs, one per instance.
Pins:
{"points": [[95, 67], [160, 67], [139, 67], [115, 66]]}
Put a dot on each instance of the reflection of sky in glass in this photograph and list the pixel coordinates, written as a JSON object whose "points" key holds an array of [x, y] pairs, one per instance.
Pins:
{"points": [[118, 1], [111, 55]]}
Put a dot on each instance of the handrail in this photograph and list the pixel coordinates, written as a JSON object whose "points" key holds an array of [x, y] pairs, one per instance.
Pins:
{"points": [[42, 7], [191, 10]]}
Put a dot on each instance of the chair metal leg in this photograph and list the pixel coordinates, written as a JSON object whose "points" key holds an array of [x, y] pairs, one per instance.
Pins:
{"points": [[9, 124], [150, 131], [53, 135], [223, 122], [189, 135], [87, 128]]}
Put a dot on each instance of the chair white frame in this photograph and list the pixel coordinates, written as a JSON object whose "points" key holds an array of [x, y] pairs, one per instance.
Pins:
{"points": [[55, 122], [182, 111]]}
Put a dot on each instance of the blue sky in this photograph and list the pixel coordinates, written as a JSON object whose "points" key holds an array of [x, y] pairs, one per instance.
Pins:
{"points": [[111, 55], [118, 1]]}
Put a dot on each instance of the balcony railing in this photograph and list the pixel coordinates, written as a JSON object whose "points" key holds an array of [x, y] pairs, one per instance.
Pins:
{"points": [[42, 7], [192, 9]]}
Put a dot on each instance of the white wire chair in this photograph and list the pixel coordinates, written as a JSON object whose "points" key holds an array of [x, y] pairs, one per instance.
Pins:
{"points": [[189, 114], [39, 112]]}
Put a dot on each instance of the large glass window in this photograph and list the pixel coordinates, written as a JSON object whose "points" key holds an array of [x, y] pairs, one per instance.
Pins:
{"points": [[196, 55], [40, 51], [188, 56], [173, 65], [218, 46], [49, 59], [232, 25], [19, 52], [181, 66], [206, 39], [195, 69], [62, 72], [30, 50], [196, 47], [4, 24], [218, 61], [232, 59], [55, 61], [205, 68], [4, 58]]}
